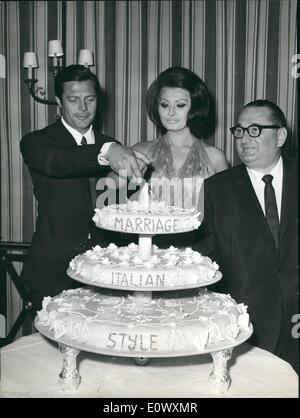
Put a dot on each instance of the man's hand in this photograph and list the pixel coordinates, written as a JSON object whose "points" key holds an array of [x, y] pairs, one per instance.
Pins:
{"points": [[143, 160], [122, 159]]}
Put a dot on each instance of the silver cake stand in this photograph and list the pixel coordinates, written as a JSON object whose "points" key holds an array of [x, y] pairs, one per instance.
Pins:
{"points": [[69, 377]]}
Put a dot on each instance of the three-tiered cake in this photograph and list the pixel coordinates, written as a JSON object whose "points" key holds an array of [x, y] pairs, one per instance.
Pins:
{"points": [[162, 315]]}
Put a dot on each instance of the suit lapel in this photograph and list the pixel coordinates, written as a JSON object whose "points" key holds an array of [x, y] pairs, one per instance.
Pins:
{"points": [[288, 201], [65, 138], [63, 135], [98, 138]]}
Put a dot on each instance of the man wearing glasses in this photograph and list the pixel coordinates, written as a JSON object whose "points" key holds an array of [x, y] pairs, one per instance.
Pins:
{"points": [[251, 228]]}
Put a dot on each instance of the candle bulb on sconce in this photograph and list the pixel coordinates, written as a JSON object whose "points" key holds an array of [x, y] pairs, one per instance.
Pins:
{"points": [[30, 62], [55, 51]]}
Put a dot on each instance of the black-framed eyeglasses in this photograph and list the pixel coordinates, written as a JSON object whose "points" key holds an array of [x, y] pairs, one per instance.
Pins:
{"points": [[253, 130]]}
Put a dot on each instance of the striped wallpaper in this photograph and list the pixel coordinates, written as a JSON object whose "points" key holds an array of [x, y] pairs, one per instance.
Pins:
{"points": [[242, 48]]}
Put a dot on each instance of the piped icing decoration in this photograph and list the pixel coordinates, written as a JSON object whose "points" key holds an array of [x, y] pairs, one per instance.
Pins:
{"points": [[123, 267], [144, 217], [123, 324]]}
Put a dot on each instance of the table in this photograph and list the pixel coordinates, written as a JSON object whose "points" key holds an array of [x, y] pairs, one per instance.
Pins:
{"points": [[30, 368]]}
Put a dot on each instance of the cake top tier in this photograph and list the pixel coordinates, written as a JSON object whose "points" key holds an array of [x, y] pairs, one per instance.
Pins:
{"points": [[156, 218]]}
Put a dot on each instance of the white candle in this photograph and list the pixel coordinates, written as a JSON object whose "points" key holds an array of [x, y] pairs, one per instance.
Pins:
{"points": [[55, 61], [144, 196], [30, 72], [30, 62]]}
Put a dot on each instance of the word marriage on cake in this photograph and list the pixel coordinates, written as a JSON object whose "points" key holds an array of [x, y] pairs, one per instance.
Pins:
{"points": [[148, 225]]}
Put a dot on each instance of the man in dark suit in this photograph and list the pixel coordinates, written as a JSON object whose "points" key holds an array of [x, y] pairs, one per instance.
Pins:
{"points": [[62, 159], [250, 228]]}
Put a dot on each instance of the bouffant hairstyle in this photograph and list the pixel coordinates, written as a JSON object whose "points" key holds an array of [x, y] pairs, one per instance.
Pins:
{"points": [[74, 73], [180, 77]]}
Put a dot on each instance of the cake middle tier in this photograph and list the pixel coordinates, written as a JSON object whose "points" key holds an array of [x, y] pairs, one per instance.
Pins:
{"points": [[123, 268]]}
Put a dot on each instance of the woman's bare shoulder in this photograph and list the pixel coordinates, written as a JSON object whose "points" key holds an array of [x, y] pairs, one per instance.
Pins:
{"points": [[217, 157]]}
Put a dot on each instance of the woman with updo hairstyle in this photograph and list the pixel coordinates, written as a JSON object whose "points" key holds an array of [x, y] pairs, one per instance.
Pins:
{"points": [[178, 103], [183, 78]]}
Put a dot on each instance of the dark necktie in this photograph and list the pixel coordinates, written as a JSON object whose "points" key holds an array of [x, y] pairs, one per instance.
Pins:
{"points": [[83, 141], [92, 180], [271, 207]]}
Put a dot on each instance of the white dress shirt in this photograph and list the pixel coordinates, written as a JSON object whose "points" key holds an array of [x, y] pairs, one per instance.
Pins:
{"points": [[89, 135], [90, 139], [259, 185]]}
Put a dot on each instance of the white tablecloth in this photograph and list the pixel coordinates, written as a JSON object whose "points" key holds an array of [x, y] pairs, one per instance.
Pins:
{"points": [[30, 368]]}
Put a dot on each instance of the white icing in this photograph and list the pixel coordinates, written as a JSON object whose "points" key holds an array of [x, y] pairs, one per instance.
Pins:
{"points": [[124, 268], [155, 218], [123, 324], [172, 323]]}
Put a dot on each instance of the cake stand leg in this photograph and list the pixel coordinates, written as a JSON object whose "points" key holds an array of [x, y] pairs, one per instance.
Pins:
{"points": [[69, 377], [141, 361], [219, 378]]}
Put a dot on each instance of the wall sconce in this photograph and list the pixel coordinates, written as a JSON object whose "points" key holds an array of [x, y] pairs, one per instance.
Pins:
{"points": [[55, 53], [30, 61]]}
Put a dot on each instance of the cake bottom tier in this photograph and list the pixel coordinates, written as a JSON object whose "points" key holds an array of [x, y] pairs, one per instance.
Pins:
{"points": [[170, 324]]}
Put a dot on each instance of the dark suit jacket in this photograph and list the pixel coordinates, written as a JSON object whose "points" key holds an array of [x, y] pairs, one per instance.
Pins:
{"points": [[60, 172], [235, 234]]}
